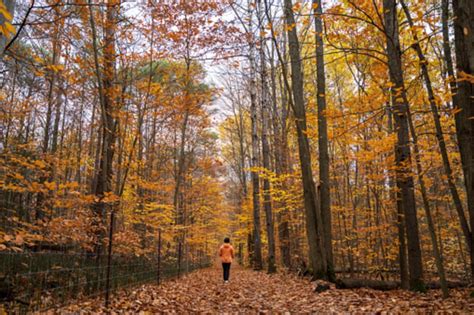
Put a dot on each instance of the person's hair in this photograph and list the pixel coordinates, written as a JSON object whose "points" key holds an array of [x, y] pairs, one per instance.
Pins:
{"points": [[226, 240]]}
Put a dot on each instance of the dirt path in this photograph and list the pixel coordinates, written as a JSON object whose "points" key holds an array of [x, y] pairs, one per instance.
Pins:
{"points": [[252, 292]]}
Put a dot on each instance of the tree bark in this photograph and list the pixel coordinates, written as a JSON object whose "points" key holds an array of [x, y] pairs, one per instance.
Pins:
{"points": [[257, 242], [444, 155], [404, 178], [464, 47], [280, 141], [324, 180], [264, 101], [439, 131], [42, 199], [314, 224], [402, 246], [427, 207], [180, 169], [447, 50], [351, 283], [106, 89]]}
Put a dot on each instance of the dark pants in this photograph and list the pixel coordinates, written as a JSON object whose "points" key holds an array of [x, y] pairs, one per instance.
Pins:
{"points": [[226, 267]]}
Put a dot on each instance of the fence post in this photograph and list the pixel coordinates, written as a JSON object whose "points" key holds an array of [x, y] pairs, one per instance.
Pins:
{"points": [[200, 258], [179, 259], [109, 258], [158, 278]]}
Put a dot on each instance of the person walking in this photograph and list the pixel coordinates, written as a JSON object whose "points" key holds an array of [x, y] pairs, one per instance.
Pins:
{"points": [[226, 253]]}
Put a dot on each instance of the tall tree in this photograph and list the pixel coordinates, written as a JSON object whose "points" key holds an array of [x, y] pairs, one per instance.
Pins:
{"points": [[464, 48], [438, 128], [265, 111], [107, 99], [404, 178], [257, 241], [324, 181], [280, 142], [400, 220], [314, 223]]}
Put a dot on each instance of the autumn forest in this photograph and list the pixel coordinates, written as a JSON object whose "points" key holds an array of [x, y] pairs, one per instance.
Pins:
{"points": [[331, 140]]}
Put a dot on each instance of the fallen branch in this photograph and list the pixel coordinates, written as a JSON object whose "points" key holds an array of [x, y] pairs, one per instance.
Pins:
{"points": [[348, 283], [367, 283]]}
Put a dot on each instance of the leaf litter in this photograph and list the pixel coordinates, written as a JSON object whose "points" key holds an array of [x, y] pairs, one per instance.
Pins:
{"points": [[248, 291]]}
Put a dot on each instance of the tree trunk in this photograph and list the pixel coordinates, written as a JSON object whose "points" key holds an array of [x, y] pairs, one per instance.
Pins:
{"points": [[404, 178], [439, 131], [42, 199], [402, 246], [257, 242], [314, 224], [280, 141], [447, 50], [351, 283], [324, 181], [444, 155], [264, 101], [464, 47], [180, 169], [427, 207], [239, 116], [107, 101]]}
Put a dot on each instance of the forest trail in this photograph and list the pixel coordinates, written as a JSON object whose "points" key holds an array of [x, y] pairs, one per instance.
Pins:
{"points": [[255, 292]]}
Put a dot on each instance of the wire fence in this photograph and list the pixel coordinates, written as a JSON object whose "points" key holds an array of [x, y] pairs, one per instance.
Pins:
{"points": [[40, 278], [33, 281]]}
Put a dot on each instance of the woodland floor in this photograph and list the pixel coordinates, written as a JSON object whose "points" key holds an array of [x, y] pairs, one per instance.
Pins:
{"points": [[257, 292]]}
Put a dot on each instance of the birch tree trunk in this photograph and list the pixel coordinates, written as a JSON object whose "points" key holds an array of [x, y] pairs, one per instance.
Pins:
{"points": [[264, 101]]}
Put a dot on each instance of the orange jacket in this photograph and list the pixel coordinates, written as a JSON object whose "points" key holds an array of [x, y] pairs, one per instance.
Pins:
{"points": [[226, 253]]}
